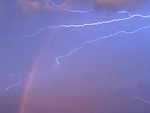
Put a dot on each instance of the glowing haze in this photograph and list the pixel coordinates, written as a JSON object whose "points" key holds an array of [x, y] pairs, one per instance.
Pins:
{"points": [[37, 5], [73, 56], [110, 4], [115, 4]]}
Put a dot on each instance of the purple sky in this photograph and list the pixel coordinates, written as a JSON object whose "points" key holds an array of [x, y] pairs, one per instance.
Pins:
{"points": [[80, 59]]}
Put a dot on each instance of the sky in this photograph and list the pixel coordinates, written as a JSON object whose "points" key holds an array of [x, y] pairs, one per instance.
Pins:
{"points": [[66, 56]]}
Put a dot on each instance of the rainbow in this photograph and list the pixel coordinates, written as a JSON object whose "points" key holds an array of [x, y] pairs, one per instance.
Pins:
{"points": [[24, 96]]}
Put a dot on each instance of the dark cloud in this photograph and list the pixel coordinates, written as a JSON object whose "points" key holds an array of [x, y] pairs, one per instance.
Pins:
{"points": [[33, 5], [36, 5], [108, 4], [116, 4]]}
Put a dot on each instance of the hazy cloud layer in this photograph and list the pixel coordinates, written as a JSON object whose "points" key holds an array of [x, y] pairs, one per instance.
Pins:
{"points": [[109, 4], [70, 4], [34, 5], [115, 4], [50, 5]]}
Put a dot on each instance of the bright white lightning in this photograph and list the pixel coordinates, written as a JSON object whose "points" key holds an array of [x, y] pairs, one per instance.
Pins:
{"points": [[93, 24], [141, 99], [124, 12], [88, 24], [103, 22], [99, 38], [13, 85], [69, 10]]}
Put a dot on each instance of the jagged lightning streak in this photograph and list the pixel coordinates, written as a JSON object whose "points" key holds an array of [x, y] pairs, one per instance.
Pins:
{"points": [[99, 38], [16, 83], [69, 10], [124, 12], [141, 99], [13, 85], [89, 24], [102, 22]]}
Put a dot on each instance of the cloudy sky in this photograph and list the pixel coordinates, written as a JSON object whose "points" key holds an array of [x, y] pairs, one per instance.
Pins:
{"points": [[74, 56]]}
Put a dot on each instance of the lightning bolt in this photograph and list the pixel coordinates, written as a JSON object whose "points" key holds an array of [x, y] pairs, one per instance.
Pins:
{"points": [[88, 24], [141, 99], [124, 12], [94, 24], [13, 85], [69, 10], [99, 38]]}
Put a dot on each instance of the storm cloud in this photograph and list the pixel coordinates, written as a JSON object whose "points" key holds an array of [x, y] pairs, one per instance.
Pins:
{"points": [[116, 4], [61, 5], [109, 4]]}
